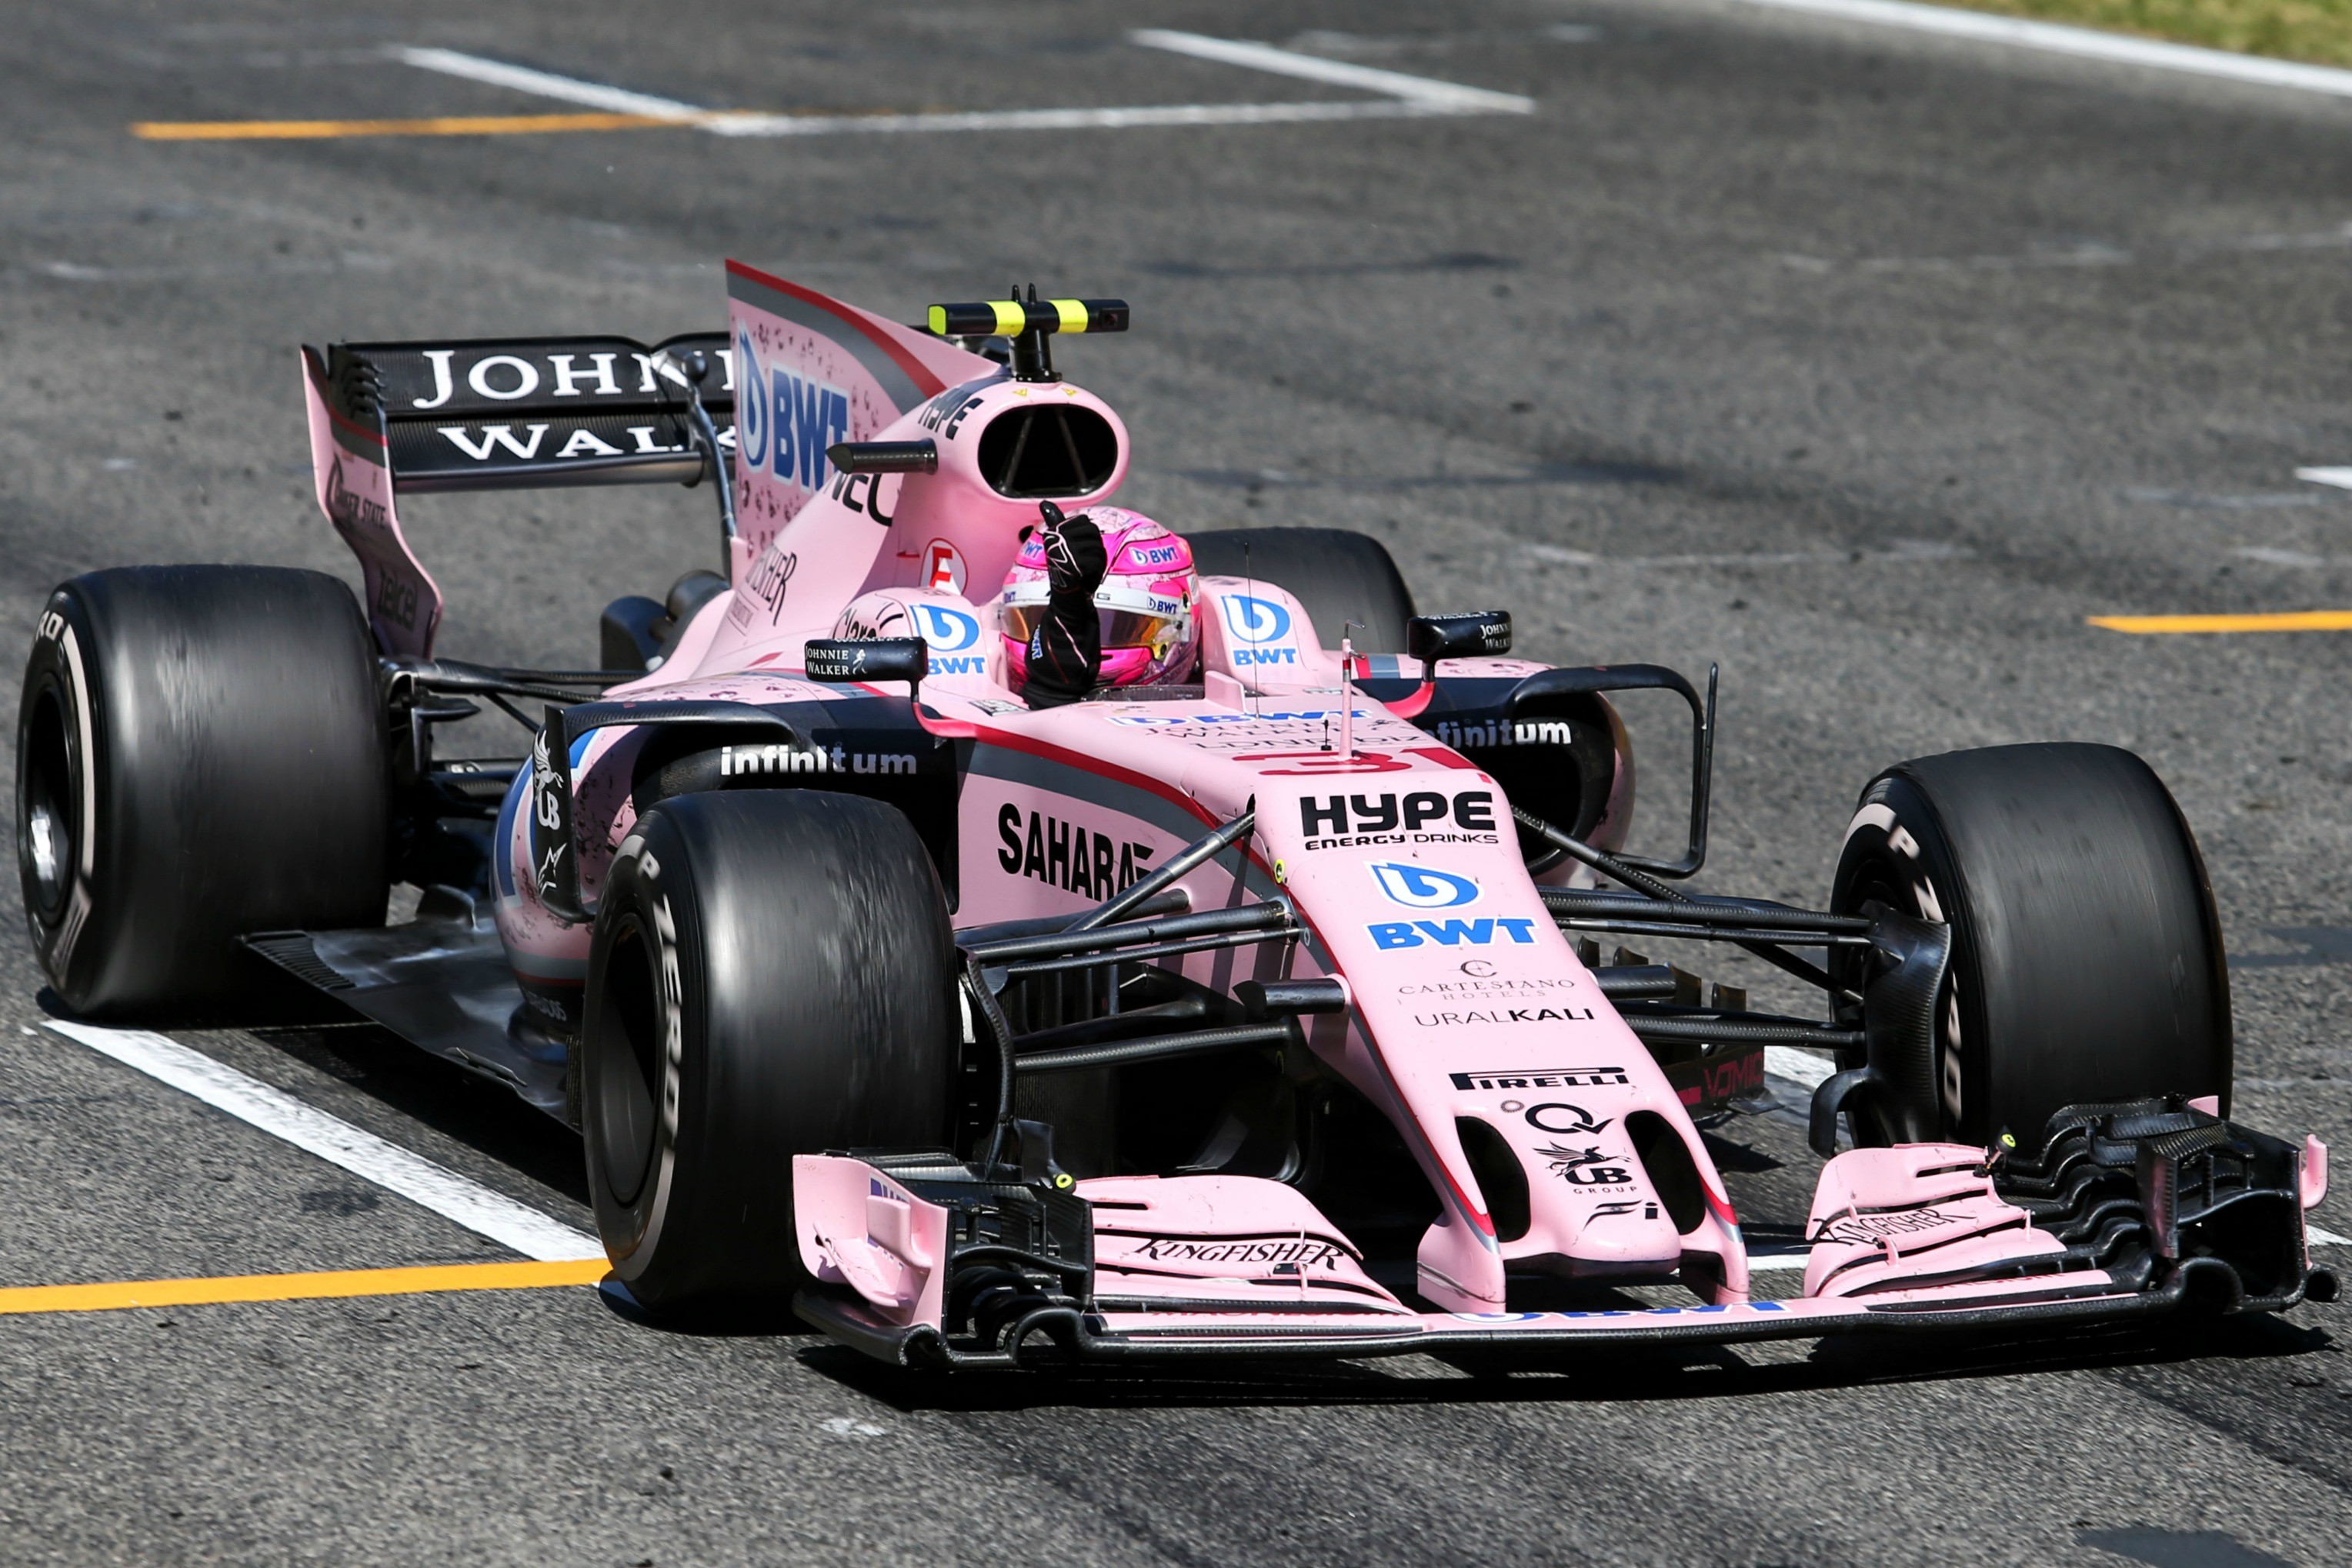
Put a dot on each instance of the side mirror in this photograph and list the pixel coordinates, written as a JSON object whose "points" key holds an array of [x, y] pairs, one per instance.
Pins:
{"points": [[1432, 637], [837, 663]]}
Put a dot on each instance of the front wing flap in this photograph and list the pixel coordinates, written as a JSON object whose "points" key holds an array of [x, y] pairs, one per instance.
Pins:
{"points": [[2131, 1209]]}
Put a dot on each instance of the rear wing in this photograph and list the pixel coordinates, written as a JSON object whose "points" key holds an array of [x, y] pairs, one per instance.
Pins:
{"points": [[504, 413], [487, 415]]}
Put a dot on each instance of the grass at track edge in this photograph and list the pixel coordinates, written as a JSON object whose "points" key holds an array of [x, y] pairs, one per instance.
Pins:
{"points": [[2318, 32]]}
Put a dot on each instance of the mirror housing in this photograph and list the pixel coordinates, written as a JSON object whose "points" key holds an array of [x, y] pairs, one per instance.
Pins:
{"points": [[837, 662], [1468, 635]]}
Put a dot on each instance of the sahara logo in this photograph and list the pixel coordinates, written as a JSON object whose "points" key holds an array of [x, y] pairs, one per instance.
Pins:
{"points": [[1255, 620], [949, 633], [1420, 888], [785, 422]]}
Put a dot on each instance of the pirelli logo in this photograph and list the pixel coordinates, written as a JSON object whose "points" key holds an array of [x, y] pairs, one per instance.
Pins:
{"points": [[1542, 1077]]}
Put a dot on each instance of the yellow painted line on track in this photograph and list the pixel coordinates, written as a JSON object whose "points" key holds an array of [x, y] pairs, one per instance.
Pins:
{"points": [[119, 1294], [2284, 621], [460, 125]]}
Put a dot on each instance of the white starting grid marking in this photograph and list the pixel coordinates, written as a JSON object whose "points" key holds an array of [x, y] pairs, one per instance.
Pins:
{"points": [[453, 1197], [2083, 42], [1401, 97]]}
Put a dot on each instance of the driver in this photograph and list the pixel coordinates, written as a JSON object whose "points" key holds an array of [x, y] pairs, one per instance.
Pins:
{"points": [[1104, 598]]}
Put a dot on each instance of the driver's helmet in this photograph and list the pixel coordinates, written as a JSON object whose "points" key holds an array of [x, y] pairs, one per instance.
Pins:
{"points": [[1145, 601]]}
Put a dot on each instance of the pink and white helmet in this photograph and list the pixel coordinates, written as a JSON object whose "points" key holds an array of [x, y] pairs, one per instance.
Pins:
{"points": [[1147, 599]]}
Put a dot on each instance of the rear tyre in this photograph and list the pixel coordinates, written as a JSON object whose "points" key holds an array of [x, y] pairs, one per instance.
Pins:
{"points": [[773, 974], [1337, 574], [2086, 953], [199, 753]]}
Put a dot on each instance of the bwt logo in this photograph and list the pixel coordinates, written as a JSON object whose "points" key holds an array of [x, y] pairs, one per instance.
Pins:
{"points": [[949, 633], [1451, 934], [1255, 620], [1420, 888], [785, 428]]}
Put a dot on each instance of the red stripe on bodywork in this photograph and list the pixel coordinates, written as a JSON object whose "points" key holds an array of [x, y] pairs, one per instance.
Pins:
{"points": [[930, 385], [317, 371]]}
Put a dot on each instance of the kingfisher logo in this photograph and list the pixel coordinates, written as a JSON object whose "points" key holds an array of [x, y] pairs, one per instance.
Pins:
{"points": [[784, 422], [1420, 888], [1255, 620], [949, 633]]}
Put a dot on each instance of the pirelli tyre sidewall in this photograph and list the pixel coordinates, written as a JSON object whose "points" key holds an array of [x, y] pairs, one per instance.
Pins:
{"points": [[2086, 961], [201, 753], [773, 974]]}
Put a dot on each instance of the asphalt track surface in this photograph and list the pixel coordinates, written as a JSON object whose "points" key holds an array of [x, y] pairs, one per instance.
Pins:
{"points": [[1866, 363]]}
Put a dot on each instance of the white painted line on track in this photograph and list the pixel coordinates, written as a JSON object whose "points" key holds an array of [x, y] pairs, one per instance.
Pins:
{"points": [[337, 1142], [1402, 97], [2340, 478], [1064, 119], [2052, 38], [545, 84], [1801, 1070], [1444, 96]]}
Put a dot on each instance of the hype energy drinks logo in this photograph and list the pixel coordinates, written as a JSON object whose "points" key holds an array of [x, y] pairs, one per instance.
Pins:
{"points": [[954, 638], [785, 422]]}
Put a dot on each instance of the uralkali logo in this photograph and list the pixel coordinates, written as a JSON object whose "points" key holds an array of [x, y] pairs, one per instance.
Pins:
{"points": [[1422, 888]]}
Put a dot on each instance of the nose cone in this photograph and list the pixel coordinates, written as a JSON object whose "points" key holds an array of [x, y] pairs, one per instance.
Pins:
{"points": [[1624, 1236]]}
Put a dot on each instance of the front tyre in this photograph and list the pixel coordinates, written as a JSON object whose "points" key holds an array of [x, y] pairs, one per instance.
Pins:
{"points": [[773, 974], [2086, 958], [199, 753]]}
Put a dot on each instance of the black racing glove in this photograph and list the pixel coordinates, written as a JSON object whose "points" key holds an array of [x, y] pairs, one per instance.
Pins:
{"points": [[1066, 650]]}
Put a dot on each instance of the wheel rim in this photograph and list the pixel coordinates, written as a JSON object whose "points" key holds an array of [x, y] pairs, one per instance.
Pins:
{"points": [[625, 1033], [47, 846], [1882, 876]]}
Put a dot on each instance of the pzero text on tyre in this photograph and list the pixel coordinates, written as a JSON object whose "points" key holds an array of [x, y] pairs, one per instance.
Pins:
{"points": [[2086, 957], [773, 974], [199, 753]]}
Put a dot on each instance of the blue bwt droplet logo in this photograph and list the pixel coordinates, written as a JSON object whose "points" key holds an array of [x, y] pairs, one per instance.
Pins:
{"points": [[1255, 620], [1421, 888], [946, 630]]}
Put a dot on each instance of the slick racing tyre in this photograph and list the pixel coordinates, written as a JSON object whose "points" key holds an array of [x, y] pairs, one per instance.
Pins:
{"points": [[199, 753], [2086, 959], [1337, 574], [773, 974]]}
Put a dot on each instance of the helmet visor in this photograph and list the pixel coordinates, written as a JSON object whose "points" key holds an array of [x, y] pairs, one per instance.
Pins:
{"points": [[1120, 629]]}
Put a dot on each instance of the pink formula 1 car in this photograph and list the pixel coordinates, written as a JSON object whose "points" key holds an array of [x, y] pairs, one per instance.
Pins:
{"points": [[1265, 1013]]}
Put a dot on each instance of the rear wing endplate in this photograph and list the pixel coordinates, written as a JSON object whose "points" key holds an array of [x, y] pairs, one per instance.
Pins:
{"points": [[485, 415]]}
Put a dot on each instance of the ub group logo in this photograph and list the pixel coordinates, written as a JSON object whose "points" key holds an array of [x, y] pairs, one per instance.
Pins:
{"points": [[784, 422], [1422, 887], [950, 634]]}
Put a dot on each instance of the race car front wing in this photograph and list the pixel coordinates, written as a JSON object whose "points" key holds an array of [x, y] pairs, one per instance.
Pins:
{"points": [[2134, 1209]]}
